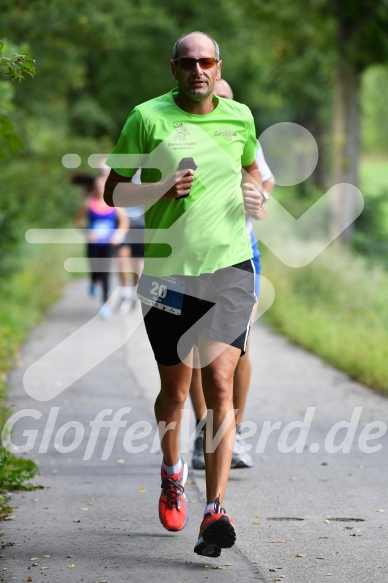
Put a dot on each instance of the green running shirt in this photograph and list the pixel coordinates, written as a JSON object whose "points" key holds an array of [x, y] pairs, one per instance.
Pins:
{"points": [[205, 231]]}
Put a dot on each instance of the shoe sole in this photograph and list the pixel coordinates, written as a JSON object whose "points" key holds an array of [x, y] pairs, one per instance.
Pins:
{"points": [[219, 535]]}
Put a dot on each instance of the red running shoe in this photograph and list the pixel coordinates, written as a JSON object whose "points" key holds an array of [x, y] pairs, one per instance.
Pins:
{"points": [[173, 509], [216, 532]]}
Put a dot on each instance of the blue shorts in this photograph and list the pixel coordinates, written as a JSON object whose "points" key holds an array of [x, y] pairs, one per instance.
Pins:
{"points": [[256, 262]]}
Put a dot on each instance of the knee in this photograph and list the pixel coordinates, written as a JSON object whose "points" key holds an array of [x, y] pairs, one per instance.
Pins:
{"points": [[173, 396], [218, 387]]}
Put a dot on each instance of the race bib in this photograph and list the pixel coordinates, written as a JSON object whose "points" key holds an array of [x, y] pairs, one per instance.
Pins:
{"points": [[165, 293]]}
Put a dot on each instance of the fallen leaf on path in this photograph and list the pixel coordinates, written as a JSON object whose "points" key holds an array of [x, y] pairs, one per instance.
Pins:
{"points": [[299, 555], [218, 567], [380, 510], [120, 461], [29, 579], [71, 566], [142, 490], [279, 540], [327, 521], [34, 559], [256, 522], [76, 520], [46, 556]]}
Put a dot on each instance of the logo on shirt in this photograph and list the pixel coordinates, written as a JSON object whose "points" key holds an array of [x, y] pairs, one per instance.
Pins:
{"points": [[226, 133], [181, 132]]}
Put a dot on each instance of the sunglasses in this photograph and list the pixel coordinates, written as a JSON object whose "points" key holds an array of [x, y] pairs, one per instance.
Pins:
{"points": [[188, 63]]}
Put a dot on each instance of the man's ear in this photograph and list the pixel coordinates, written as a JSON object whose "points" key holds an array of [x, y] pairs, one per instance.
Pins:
{"points": [[173, 69], [218, 74]]}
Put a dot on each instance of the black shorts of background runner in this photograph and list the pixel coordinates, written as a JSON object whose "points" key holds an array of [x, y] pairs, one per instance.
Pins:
{"points": [[137, 247], [218, 305]]}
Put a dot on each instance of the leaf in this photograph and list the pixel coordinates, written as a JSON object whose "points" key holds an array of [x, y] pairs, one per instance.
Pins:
{"points": [[299, 555]]}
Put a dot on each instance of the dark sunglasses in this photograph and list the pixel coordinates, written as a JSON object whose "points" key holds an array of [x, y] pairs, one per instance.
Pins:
{"points": [[188, 64]]}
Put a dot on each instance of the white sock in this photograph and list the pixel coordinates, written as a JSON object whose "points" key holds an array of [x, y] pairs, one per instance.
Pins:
{"points": [[209, 507], [170, 470]]}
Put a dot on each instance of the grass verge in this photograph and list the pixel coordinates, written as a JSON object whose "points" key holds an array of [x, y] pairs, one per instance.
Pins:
{"points": [[37, 282], [335, 307]]}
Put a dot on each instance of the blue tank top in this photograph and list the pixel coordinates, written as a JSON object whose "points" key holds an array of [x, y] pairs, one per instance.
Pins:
{"points": [[102, 223]]}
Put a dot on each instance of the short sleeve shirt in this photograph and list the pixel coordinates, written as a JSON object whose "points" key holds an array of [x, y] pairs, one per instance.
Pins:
{"points": [[205, 231]]}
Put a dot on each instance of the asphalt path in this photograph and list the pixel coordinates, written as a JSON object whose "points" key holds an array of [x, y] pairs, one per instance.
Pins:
{"points": [[313, 509]]}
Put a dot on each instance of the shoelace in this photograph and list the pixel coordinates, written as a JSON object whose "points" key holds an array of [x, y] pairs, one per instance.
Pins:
{"points": [[217, 508], [172, 491]]}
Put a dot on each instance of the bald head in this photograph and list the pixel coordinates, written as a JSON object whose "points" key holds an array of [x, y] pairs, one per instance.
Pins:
{"points": [[223, 89], [198, 38]]}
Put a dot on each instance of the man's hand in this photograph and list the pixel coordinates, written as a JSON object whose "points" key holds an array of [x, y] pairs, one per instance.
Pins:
{"points": [[253, 201], [181, 183]]}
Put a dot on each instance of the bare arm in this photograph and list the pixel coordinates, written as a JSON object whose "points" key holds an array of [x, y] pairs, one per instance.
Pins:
{"points": [[119, 190]]}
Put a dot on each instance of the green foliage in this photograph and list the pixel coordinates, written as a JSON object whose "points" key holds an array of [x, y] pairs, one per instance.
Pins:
{"points": [[374, 99], [16, 65], [11, 69], [371, 234], [15, 472]]}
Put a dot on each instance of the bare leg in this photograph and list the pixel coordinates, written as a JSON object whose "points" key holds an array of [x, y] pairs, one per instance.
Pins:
{"points": [[242, 377], [175, 383], [217, 379], [123, 258], [196, 392]]}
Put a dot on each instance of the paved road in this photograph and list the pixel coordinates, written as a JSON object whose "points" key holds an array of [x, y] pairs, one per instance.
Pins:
{"points": [[312, 515]]}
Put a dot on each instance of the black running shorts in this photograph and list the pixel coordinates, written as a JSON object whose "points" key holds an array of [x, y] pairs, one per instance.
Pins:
{"points": [[218, 305]]}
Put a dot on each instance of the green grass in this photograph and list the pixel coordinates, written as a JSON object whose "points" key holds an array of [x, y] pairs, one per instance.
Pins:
{"points": [[373, 174], [337, 308], [38, 281]]}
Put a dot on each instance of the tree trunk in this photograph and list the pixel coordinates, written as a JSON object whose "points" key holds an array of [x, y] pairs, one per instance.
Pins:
{"points": [[346, 147]]}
